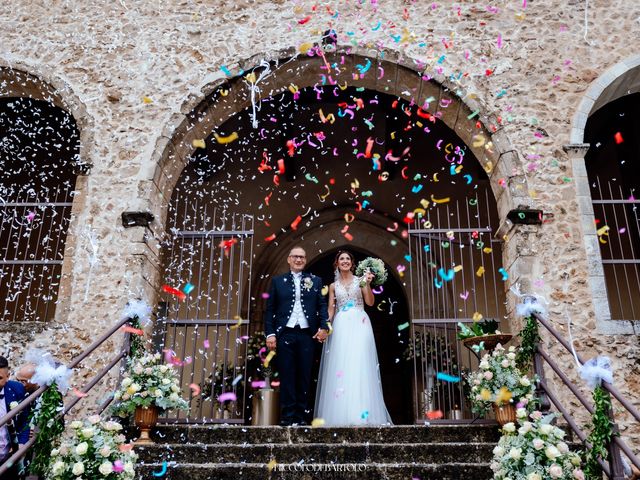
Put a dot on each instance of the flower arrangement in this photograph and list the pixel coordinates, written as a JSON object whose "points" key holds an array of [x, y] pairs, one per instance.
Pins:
{"points": [[257, 345], [499, 381], [375, 266], [535, 451], [95, 449], [307, 283], [147, 383]]}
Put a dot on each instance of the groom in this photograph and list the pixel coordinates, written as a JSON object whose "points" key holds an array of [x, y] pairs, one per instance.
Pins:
{"points": [[296, 314]]}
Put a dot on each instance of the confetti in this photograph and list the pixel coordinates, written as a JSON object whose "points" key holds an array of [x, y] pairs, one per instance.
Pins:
{"points": [[224, 140], [162, 471], [447, 378]]}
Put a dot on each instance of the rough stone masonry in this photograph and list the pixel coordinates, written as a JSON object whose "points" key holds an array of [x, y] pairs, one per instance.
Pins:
{"points": [[102, 58]]}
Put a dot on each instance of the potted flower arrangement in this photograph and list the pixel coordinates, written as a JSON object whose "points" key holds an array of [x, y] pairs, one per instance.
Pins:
{"points": [[95, 449], [535, 451], [148, 388], [500, 384], [482, 335], [375, 266]]}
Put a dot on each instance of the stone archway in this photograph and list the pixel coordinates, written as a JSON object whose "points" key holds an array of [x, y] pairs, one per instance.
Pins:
{"points": [[25, 83], [187, 177], [619, 80]]}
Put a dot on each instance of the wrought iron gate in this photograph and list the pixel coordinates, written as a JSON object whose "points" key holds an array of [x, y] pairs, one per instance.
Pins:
{"points": [[205, 315], [454, 272], [33, 231]]}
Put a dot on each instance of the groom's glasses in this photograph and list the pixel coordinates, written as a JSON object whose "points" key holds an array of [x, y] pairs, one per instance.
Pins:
{"points": [[297, 257]]}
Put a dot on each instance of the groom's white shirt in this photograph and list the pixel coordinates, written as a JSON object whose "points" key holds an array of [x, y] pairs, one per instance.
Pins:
{"points": [[297, 315]]}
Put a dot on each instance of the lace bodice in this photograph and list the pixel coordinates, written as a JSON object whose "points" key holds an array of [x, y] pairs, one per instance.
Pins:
{"points": [[349, 296]]}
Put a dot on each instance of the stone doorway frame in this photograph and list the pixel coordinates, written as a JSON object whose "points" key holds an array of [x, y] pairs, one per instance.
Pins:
{"points": [[39, 83], [619, 80], [390, 72]]}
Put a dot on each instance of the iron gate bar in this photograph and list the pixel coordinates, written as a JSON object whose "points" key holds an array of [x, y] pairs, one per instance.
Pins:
{"points": [[223, 301], [31, 262], [457, 239]]}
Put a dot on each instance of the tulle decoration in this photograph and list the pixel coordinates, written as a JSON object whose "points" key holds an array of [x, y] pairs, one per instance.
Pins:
{"points": [[597, 370], [530, 303], [46, 373], [140, 309]]}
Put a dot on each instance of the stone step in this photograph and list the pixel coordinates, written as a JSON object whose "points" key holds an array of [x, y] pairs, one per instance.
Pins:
{"points": [[369, 471], [224, 434], [319, 453]]}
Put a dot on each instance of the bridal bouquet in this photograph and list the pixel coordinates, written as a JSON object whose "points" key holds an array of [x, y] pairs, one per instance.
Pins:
{"points": [[95, 449], [535, 451], [147, 383], [375, 266]]}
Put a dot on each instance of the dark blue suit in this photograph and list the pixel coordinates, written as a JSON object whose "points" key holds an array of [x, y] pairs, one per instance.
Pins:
{"points": [[15, 392], [295, 346]]}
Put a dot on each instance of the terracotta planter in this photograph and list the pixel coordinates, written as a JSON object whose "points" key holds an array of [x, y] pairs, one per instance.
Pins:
{"points": [[145, 419], [505, 414], [490, 341]]}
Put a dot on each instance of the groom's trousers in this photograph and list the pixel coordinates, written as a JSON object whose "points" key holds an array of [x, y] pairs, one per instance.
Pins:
{"points": [[295, 361]]}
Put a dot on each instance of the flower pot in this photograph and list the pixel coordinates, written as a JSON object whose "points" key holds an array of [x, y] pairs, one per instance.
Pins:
{"points": [[490, 341], [505, 414], [145, 419], [266, 407]]}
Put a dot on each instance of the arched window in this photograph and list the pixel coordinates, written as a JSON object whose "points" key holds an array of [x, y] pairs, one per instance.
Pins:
{"points": [[613, 168], [39, 146]]}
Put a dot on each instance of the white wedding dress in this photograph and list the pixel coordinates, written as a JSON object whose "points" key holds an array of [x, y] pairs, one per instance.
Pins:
{"points": [[349, 387]]}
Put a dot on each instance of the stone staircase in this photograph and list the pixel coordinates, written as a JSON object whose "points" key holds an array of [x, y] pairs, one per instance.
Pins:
{"points": [[199, 452]]}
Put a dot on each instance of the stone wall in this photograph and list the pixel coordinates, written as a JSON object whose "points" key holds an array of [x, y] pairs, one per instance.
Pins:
{"points": [[527, 68]]}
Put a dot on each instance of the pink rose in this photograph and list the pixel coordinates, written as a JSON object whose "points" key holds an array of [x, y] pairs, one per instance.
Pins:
{"points": [[488, 375], [578, 474], [555, 471]]}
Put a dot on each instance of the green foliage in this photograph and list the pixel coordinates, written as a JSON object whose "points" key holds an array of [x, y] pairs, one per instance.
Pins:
{"points": [[601, 433], [49, 427], [136, 345], [477, 329], [530, 337]]}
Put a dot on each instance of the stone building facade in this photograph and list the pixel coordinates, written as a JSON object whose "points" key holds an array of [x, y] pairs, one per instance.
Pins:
{"points": [[143, 80]]}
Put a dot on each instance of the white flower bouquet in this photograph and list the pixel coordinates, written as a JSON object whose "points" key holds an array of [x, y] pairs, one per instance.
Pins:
{"points": [[147, 382], [95, 449], [535, 451], [499, 381], [375, 266]]}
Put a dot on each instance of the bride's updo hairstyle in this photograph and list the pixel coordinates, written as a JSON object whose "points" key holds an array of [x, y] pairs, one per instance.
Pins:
{"points": [[353, 260]]}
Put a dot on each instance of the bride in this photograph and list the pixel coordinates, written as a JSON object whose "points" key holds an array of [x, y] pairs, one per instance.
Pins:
{"points": [[349, 387]]}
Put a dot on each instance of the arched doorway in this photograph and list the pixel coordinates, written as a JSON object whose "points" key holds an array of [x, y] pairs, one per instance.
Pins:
{"points": [[327, 166], [39, 154]]}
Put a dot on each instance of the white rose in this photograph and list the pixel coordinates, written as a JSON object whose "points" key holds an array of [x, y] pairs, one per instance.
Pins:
{"points": [[88, 432], [525, 428], [538, 443], [525, 382], [126, 382], [484, 365], [105, 468], [13, 405], [135, 387], [148, 370], [78, 469], [555, 471], [64, 449], [521, 413], [58, 467], [498, 451], [163, 368], [174, 397], [112, 426], [509, 427], [546, 429], [558, 433], [138, 369], [128, 468], [511, 356], [166, 381], [105, 451], [76, 424], [82, 448], [504, 363], [126, 396], [515, 453], [93, 419], [563, 447], [552, 452], [488, 375], [534, 476], [174, 388]]}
